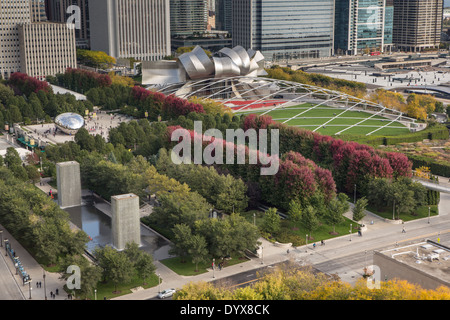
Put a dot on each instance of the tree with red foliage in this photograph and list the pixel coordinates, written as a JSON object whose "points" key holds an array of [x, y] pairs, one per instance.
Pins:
{"points": [[24, 84]]}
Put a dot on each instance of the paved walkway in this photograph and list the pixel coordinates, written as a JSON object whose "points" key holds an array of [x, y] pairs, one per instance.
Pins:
{"points": [[34, 269]]}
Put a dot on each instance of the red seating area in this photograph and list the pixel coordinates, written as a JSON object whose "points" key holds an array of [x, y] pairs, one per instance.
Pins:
{"points": [[240, 104]]}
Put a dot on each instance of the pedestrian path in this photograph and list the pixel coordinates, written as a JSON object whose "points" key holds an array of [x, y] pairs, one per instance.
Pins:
{"points": [[51, 283]]}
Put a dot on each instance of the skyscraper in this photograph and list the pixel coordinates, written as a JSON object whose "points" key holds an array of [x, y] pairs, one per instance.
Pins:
{"points": [[12, 12], [137, 29], [29, 44], [417, 24], [46, 48], [58, 11], [284, 29], [223, 15], [362, 26], [188, 17]]}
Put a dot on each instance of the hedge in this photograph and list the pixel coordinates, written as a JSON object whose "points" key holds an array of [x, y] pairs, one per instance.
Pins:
{"points": [[440, 168]]}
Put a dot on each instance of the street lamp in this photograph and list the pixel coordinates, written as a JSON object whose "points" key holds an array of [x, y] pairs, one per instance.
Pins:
{"points": [[45, 289], [213, 266], [159, 283], [262, 255], [254, 219], [306, 243], [350, 231], [354, 196], [429, 208], [393, 211]]}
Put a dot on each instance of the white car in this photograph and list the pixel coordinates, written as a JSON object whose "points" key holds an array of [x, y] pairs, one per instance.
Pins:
{"points": [[166, 293]]}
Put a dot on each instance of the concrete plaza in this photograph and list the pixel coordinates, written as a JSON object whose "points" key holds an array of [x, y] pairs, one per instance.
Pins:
{"points": [[98, 122]]}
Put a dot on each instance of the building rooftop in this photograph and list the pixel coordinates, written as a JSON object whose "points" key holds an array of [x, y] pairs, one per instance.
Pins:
{"points": [[429, 257]]}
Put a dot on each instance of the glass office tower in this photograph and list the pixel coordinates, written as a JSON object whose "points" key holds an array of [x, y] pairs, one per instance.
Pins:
{"points": [[284, 30], [363, 26], [188, 17]]}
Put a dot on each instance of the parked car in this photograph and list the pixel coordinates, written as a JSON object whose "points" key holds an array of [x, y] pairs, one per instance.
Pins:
{"points": [[166, 293]]}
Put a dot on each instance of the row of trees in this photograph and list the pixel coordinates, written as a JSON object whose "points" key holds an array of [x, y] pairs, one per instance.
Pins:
{"points": [[80, 80], [217, 238], [111, 266], [415, 105], [224, 192], [36, 221], [42, 105], [351, 163], [402, 193], [292, 283]]}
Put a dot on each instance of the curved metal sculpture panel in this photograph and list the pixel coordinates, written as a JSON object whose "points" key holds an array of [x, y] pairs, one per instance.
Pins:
{"points": [[233, 55], [245, 58], [225, 68], [69, 122], [197, 63]]}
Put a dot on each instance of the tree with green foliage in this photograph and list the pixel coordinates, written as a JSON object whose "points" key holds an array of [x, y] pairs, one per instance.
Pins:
{"points": [[116, 266], [272, 221], [310, 220], [295, 211], [198, 250], [334, 213], [359, 209]]}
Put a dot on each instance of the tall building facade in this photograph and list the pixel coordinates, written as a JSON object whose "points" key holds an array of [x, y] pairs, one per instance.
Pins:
{"points": [[46, 49], [59, 11], [12, 13], [137, 29], [417, 24], [224, 15], [29, 44], [188, 17], [284, 29], [362, 26], [38, 13]]}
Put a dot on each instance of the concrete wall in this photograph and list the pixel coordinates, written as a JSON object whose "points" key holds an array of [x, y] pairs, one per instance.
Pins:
{"points": [[69, 184], [126, 226], [392, 268]]}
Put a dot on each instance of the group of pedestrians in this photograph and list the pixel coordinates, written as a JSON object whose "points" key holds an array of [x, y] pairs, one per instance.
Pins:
{"points": [[52, 294]]}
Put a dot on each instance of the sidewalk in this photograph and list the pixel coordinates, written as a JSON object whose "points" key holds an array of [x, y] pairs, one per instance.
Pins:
{"points": [[35, 270]]}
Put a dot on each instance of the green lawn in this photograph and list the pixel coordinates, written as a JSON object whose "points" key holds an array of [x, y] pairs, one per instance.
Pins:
{"points": [[185, 267], [109, 291], [312, 119], [421, 212], [295, 233]]}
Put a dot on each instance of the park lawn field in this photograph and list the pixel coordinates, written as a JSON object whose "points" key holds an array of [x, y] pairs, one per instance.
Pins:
{"points": [[311, 119], [109, 291], [420, 213], [295, 233], [185, 267]]}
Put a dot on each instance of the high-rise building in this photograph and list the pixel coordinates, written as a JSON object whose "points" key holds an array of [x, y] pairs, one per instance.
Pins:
{"points": [[38, 13], [46, 48], [223, 15], [27, 45], [137, 29], [59, 11], [12, 12], [417, 24], [284, 29], [363, 26], [188, 17]]}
